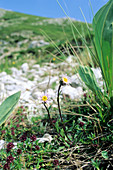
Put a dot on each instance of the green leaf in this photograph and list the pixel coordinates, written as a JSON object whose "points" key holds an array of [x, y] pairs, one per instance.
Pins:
{"points": [[103, 40], [7, 106], [89, 79], [57, 126], [62, 132], [95, 163], [104, 154]]}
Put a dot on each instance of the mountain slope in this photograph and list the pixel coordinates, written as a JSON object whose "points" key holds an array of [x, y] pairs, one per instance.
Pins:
{"points": [[11, 22], [27, 35]]}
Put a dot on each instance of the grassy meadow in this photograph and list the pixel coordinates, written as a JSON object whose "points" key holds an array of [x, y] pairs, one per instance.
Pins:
{"points": [[17, 27]]}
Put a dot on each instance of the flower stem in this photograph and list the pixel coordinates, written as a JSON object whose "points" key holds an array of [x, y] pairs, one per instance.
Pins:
{"points": [[59, 102], [60, 112], [48, 112], [53, 124]]}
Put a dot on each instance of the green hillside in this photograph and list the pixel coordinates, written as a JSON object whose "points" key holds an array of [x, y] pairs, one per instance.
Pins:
{"points": [[27, 35]]}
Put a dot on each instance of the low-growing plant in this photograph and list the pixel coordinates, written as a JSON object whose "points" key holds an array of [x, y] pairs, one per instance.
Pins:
{"points": [[22, 149], [7, 107], [81, 125], [103, 45]]}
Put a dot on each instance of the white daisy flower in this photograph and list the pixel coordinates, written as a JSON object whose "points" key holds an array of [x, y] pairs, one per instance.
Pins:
{"points": [[65, 80]]}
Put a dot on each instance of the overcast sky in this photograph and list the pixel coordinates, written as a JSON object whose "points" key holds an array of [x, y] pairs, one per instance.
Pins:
{"points": [[50, 8]]}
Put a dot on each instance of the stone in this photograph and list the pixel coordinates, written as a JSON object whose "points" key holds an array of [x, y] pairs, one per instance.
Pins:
{"points": [[2, 144], [76, 80], [47, 82], [36, 93], [51, 93], [36, 66], [42, 43], [24, 67], [41, 72], [11, 87], [2, 74], [33, 44], [70, 59], [46, 138], [16, 72], [97, 73], [2, 87], [36, 43], [7, 79], [26, 96], [72, 93]]}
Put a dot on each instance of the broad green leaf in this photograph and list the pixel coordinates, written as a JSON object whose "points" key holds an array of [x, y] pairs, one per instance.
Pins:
{"points": [[89, 79], [103, 39], [7, 106]]}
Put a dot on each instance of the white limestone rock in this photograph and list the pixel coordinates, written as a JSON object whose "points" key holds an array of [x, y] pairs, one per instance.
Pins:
{"points": [[97, 73], [36, 93], [36, 43], [2, 74], [72, 93], [16, 72], [2, 144], [76, 81], [24, 67], [44, 77], [36, 66], [47, 82], [46, 138], [70, 59]]}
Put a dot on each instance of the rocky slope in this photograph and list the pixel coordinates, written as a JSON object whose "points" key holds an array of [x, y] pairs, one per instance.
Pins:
{"points": [[32, 81], [23, 45], [26, 36]]}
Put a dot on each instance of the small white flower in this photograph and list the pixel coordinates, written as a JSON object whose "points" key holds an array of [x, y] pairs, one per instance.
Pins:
{"points": [[65, 80], [44, 97]]}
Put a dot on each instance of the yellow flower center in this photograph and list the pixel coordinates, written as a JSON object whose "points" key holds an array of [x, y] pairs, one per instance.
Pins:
{"points": [[13, 62], [54, 59], [65, 79], [44, 98]]}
